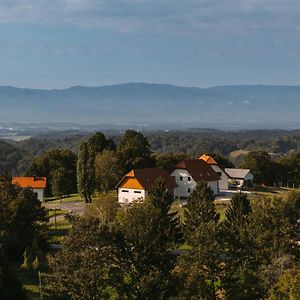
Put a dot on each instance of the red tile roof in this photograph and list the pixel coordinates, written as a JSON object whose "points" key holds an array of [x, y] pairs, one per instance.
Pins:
{"points": [[30, 182], [198, 169], [147, 177]]}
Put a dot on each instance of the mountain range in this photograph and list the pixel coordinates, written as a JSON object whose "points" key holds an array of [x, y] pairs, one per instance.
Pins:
{"points": [[155, 105]]}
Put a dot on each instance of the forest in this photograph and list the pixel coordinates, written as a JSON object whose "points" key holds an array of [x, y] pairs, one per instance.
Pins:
{"points": [[154, 249]]}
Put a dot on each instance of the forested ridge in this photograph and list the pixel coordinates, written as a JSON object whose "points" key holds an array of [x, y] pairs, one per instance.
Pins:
{"points": [[17, 156]]}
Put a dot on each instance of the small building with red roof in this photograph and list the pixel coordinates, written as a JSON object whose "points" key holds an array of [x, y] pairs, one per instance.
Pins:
{"points": [[37, 184], [137, 183], [189, 172]]}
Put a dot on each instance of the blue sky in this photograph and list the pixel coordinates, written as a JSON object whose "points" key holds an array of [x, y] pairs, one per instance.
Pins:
{"points": [[61, 43]]}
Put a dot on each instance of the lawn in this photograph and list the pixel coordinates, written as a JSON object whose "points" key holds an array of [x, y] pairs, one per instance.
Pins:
{"points": [[71, 198], [57, 233]]}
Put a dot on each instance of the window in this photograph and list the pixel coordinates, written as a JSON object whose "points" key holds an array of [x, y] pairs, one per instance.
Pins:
{"points": [[125, 191], [189, 190], [180, 178], [174, 177], [138, 192], [189, 178], [219, 174]]}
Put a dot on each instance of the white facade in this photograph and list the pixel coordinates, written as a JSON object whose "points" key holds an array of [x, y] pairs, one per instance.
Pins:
{"points": [[40, 194], [223, 182], [186, 184], [129, 195]]}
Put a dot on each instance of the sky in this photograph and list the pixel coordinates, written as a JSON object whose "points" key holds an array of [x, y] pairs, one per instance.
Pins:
{"points": [[62, 43]]}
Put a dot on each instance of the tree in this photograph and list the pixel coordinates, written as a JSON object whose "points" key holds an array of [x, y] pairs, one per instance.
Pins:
{"points": [[47, 163], [201, 268], [86, 171], [241, 280], [134, 151], [287, 286], [61, 183], [107, 171], [100, 143], [237, 216], [200, 209], [169, 160], [151, 253], [162, 199], [22, 219], [152, 234], [10, 287], [262, 167], [92, 263]]}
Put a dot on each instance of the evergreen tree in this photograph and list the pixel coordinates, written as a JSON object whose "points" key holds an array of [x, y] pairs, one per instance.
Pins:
{"points": [[86, 171], [201, 267], [162, 199], [241, 280], [200, 208], [237, 215]]}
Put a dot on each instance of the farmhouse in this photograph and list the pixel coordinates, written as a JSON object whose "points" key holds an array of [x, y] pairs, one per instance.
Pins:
{"points": [[240, 177], [223, 182], [37, 184], [189, 172], [137, 183]]}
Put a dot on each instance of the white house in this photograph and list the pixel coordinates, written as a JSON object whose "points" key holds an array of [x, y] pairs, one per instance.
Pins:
{"points": [[223, 182], [37, 184], [240, 177], [137, 183], [189, 172]]}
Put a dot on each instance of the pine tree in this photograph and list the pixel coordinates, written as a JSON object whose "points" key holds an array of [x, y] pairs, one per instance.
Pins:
{"points": [[200, 208], [237, 215], [201, 267], [162, 199]]}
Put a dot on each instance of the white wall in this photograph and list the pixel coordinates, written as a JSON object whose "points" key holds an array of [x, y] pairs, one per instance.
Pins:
{"points": [[129, 195], [223, 183], [185, 184], [249, 176], [40, 193], [214, 185]]}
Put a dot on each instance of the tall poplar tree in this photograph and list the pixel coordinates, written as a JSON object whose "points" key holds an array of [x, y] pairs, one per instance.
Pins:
{"points": [[86, 171]]}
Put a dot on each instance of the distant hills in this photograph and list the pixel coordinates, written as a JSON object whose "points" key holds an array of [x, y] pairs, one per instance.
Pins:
{"points": [[155, 106]]}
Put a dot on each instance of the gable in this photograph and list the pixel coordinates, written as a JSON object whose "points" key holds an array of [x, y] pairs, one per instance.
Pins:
{"points": [[131, 183]]}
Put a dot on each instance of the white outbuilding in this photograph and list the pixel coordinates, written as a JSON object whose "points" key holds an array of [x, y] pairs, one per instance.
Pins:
{"points": [[240, 177]]}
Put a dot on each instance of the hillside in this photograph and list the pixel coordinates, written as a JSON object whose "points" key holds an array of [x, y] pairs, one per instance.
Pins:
{"points": [[156, 105]]}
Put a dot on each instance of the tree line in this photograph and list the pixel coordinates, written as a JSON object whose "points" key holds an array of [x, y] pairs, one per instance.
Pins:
{"points": [[100, 164], [146, 251]]}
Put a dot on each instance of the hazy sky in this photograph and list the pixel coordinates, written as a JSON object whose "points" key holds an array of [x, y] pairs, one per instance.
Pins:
{"points": [[60, 43]]}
